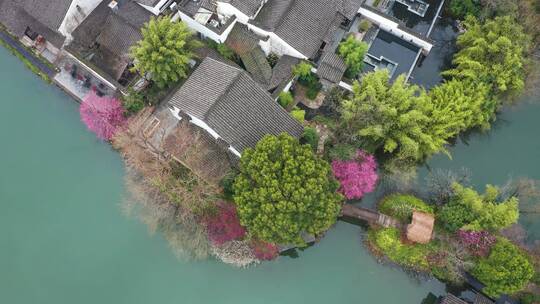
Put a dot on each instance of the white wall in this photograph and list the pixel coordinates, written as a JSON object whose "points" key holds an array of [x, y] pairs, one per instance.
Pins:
{"points": [[392, 27], [226, 9], [275, 44], [154, 10], [205, 31], [201, 124], [77, 12]]}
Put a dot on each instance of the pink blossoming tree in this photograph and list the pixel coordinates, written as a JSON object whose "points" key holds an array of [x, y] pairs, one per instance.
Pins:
{"points": [[102, 115], [357, 176], [224, 226]]}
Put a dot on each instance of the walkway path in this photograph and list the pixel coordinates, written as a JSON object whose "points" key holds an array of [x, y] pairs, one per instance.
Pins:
{"points": [[370, 216], [28, 55]]}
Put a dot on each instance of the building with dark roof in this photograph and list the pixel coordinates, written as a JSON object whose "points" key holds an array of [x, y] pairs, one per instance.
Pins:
{"points": [[226, 102], [105, 37], [331, 69], [298, 28]]}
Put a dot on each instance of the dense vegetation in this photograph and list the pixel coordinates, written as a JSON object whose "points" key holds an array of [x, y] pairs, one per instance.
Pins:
{"points": [[353, 51], [284, 191], [165, 51]]}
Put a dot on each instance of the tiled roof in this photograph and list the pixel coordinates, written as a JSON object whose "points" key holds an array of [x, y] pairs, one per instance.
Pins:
{"points": [[282, 71], [248, 7], [233, 105], [51, 13], [114, 32], [16, 18], [332, 67], [452, 299], [304, 24], [246, 45]]}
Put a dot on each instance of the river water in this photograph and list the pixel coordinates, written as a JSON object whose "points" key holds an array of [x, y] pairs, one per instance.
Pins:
{"points": [[64, 239]]}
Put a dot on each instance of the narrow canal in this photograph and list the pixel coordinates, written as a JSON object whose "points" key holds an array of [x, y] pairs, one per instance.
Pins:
{"points": [[64, 239]]}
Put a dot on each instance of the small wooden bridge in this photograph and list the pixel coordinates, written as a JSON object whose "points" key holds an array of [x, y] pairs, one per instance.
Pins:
{"points": [[370, 216]]}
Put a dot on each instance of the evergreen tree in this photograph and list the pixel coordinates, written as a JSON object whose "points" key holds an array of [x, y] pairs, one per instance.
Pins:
{"points": [[492, 53], [393, 117], [284, 191], [164, 51], [461, 105]]}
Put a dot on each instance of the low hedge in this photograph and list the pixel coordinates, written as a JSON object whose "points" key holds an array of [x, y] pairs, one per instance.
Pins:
{"points": [[401, 206]]}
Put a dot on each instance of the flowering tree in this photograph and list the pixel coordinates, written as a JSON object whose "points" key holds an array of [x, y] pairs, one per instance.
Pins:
{"points": [[225, 225], [357, 176], [264, 251], [478, 243], [102, 115]]}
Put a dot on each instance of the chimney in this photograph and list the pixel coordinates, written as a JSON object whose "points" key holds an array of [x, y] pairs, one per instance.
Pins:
{"points": [[113, 5]]}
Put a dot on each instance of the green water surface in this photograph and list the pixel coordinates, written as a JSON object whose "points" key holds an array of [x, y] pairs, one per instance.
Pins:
{"points": [[64, 239]]}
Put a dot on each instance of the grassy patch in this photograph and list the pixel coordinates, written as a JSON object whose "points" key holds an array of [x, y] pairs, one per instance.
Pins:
{"points": [[401, 206], [26, 62]]}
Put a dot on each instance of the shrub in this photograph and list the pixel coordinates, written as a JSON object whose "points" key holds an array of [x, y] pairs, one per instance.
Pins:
{"points": [[462, 8], [357, 177], [474, 211], [272, 59], [507, 269], [477, 243], [353, 52], [313, 91], [342, 152], [224, 226], [311, 137], [133, 102], [402, 206], [388, 241], [227, 184], [298, 114], [225, 51], [264, 251], [364, 25], [303, 71], [453, 216], [285, 99]]}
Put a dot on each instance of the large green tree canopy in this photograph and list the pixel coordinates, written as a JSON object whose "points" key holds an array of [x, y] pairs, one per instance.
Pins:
{"points": [[164, 51], [506, 270], [493, 53], [395, 117], [284, 191]]}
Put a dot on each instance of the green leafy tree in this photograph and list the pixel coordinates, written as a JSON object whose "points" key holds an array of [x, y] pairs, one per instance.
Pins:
{"points": [[473, 211], [463, 8], [303, 71], [507, 269], [460, 105], [164, 51], [492, 53], [353, 52], [285, 99], [393, 117], [283, 191]]}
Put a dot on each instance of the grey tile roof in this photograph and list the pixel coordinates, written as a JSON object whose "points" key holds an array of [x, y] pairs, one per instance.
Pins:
{"points": [[282, 71], [16, 19], [233, 105], [110, 35], [51, 13], [248, 7], [304, 24], [451, 299], [332, 67], [246, 44]]}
